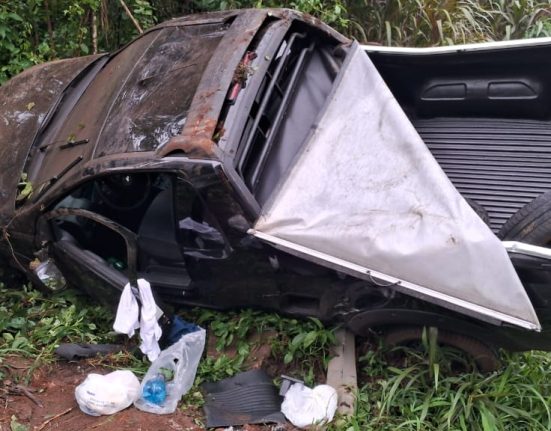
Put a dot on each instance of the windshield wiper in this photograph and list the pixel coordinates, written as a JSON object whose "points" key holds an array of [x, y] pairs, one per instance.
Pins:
{"points": [[48, 184]]}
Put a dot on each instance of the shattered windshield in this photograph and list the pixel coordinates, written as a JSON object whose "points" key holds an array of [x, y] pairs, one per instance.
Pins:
{"points": [[139, 100], [153, 103]]}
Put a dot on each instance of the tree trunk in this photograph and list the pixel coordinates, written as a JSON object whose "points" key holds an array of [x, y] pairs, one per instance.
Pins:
{"points": [[94, 34]]}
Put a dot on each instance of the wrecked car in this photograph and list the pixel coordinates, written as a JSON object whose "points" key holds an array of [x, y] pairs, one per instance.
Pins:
{"points": [[258, 158]]}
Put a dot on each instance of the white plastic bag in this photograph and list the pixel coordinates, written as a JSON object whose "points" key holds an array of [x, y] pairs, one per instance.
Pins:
{"points": [[181, 360], [107, 394], [305, 407]]}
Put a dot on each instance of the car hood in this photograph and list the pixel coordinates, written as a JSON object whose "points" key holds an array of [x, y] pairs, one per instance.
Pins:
{"points": [[24, 104]]}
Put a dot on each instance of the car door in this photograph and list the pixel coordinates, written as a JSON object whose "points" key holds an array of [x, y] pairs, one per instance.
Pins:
{"points": [[92, 231], [92, 270], [191, 255]]}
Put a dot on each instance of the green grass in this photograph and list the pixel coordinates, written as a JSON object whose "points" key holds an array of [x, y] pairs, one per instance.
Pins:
{"points": [[420, 391], [447, 22], [33, 325], [428, 394], [301, 346]]}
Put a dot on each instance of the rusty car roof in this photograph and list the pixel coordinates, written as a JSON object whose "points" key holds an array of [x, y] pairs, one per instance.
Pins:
{"points": [[113, 115]]}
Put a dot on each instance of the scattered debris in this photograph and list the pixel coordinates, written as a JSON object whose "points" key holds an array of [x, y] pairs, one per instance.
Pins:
{"points": [[286, 383], [9, 388], [341, 371], [154, 390], [178, 364], [49, 274], [107, 394], [27, 392], [137, 309], [305, 407], [46, 422], [247, 398], [73, 351]]}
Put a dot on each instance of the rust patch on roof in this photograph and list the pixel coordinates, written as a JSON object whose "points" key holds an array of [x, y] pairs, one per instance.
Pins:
{"points": [[196, 139]]}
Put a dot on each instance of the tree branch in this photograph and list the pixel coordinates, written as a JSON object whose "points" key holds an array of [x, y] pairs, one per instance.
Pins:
{"points": [[136, 23]]}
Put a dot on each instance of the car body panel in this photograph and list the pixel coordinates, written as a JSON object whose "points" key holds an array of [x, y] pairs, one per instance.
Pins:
{"points": [[26, 102]]}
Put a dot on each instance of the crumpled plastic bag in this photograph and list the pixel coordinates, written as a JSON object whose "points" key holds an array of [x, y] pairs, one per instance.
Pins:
{"points": [[304, 407], [129, 318], [181, 360], [107, 394]]}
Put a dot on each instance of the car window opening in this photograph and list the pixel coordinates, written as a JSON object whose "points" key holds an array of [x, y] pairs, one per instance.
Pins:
{"points": [[173, 226], [285, 107]]}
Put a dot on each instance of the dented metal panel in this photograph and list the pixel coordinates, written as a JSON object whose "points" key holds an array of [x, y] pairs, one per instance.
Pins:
{"points": [[196, 139], [366, 195], [154, 101], [24, 103]]}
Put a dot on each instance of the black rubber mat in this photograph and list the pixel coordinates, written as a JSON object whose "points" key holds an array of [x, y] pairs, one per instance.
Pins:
{"points": [[247, 398], [73, 351]]}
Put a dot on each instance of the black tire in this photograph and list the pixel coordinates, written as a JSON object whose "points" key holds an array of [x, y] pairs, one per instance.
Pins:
{"points": [[483, 356], [480, 210], [531, 223]]}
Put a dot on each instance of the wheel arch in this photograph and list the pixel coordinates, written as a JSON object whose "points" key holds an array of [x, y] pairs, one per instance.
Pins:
{"points": [[382, 319]]}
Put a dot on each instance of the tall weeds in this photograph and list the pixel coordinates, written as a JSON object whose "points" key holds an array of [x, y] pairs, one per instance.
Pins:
{"points": [[447, 22], [424, 397]]}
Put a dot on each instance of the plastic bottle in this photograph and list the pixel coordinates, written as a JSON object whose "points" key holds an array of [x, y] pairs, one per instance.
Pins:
{"points": [[154, 390], [181, 361]]}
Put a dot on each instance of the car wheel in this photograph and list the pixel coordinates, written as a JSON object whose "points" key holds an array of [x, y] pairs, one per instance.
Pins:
{"points": [[479, 210], [484, 357], [531, 223]]}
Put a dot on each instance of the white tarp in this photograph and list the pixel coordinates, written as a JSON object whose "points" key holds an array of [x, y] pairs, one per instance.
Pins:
{"points": [[365, 195]]}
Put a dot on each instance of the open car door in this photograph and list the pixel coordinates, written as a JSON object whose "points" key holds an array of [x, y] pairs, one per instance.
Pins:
{"points": [[92, 272], [366, 197]]}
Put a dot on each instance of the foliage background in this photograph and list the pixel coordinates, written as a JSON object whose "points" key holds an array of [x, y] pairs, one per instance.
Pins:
{"points": [[33, 31]]}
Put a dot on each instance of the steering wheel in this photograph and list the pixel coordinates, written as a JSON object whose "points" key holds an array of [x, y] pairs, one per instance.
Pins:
{"points": [[124, 192]]}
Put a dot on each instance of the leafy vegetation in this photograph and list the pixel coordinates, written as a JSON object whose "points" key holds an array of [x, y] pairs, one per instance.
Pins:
{"points": [[300, 345], [416, 398], [447, 22], [34, 31], [416, 390], [32, 324]]}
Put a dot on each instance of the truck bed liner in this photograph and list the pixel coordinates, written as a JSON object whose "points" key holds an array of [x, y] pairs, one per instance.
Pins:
{"points": [[502, 164]]}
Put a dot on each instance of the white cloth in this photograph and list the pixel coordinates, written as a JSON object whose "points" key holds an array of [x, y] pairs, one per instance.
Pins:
{"points": [[305, 407], [365, 190], [150, 331], [129, 318], [126, 321]]}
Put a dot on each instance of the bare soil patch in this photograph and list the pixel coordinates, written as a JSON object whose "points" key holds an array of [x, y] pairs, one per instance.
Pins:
{"points": [[53, 386]]}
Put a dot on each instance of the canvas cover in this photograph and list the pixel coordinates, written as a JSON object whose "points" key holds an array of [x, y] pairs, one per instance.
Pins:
{"points": [[365, 196]]}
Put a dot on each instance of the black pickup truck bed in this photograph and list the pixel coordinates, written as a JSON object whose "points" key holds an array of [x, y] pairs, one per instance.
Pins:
{"points": [[484, 115], [500, 163]]}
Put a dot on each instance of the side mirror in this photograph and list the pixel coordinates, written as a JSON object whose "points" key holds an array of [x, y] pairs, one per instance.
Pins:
{"points": [[47, 275]]}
